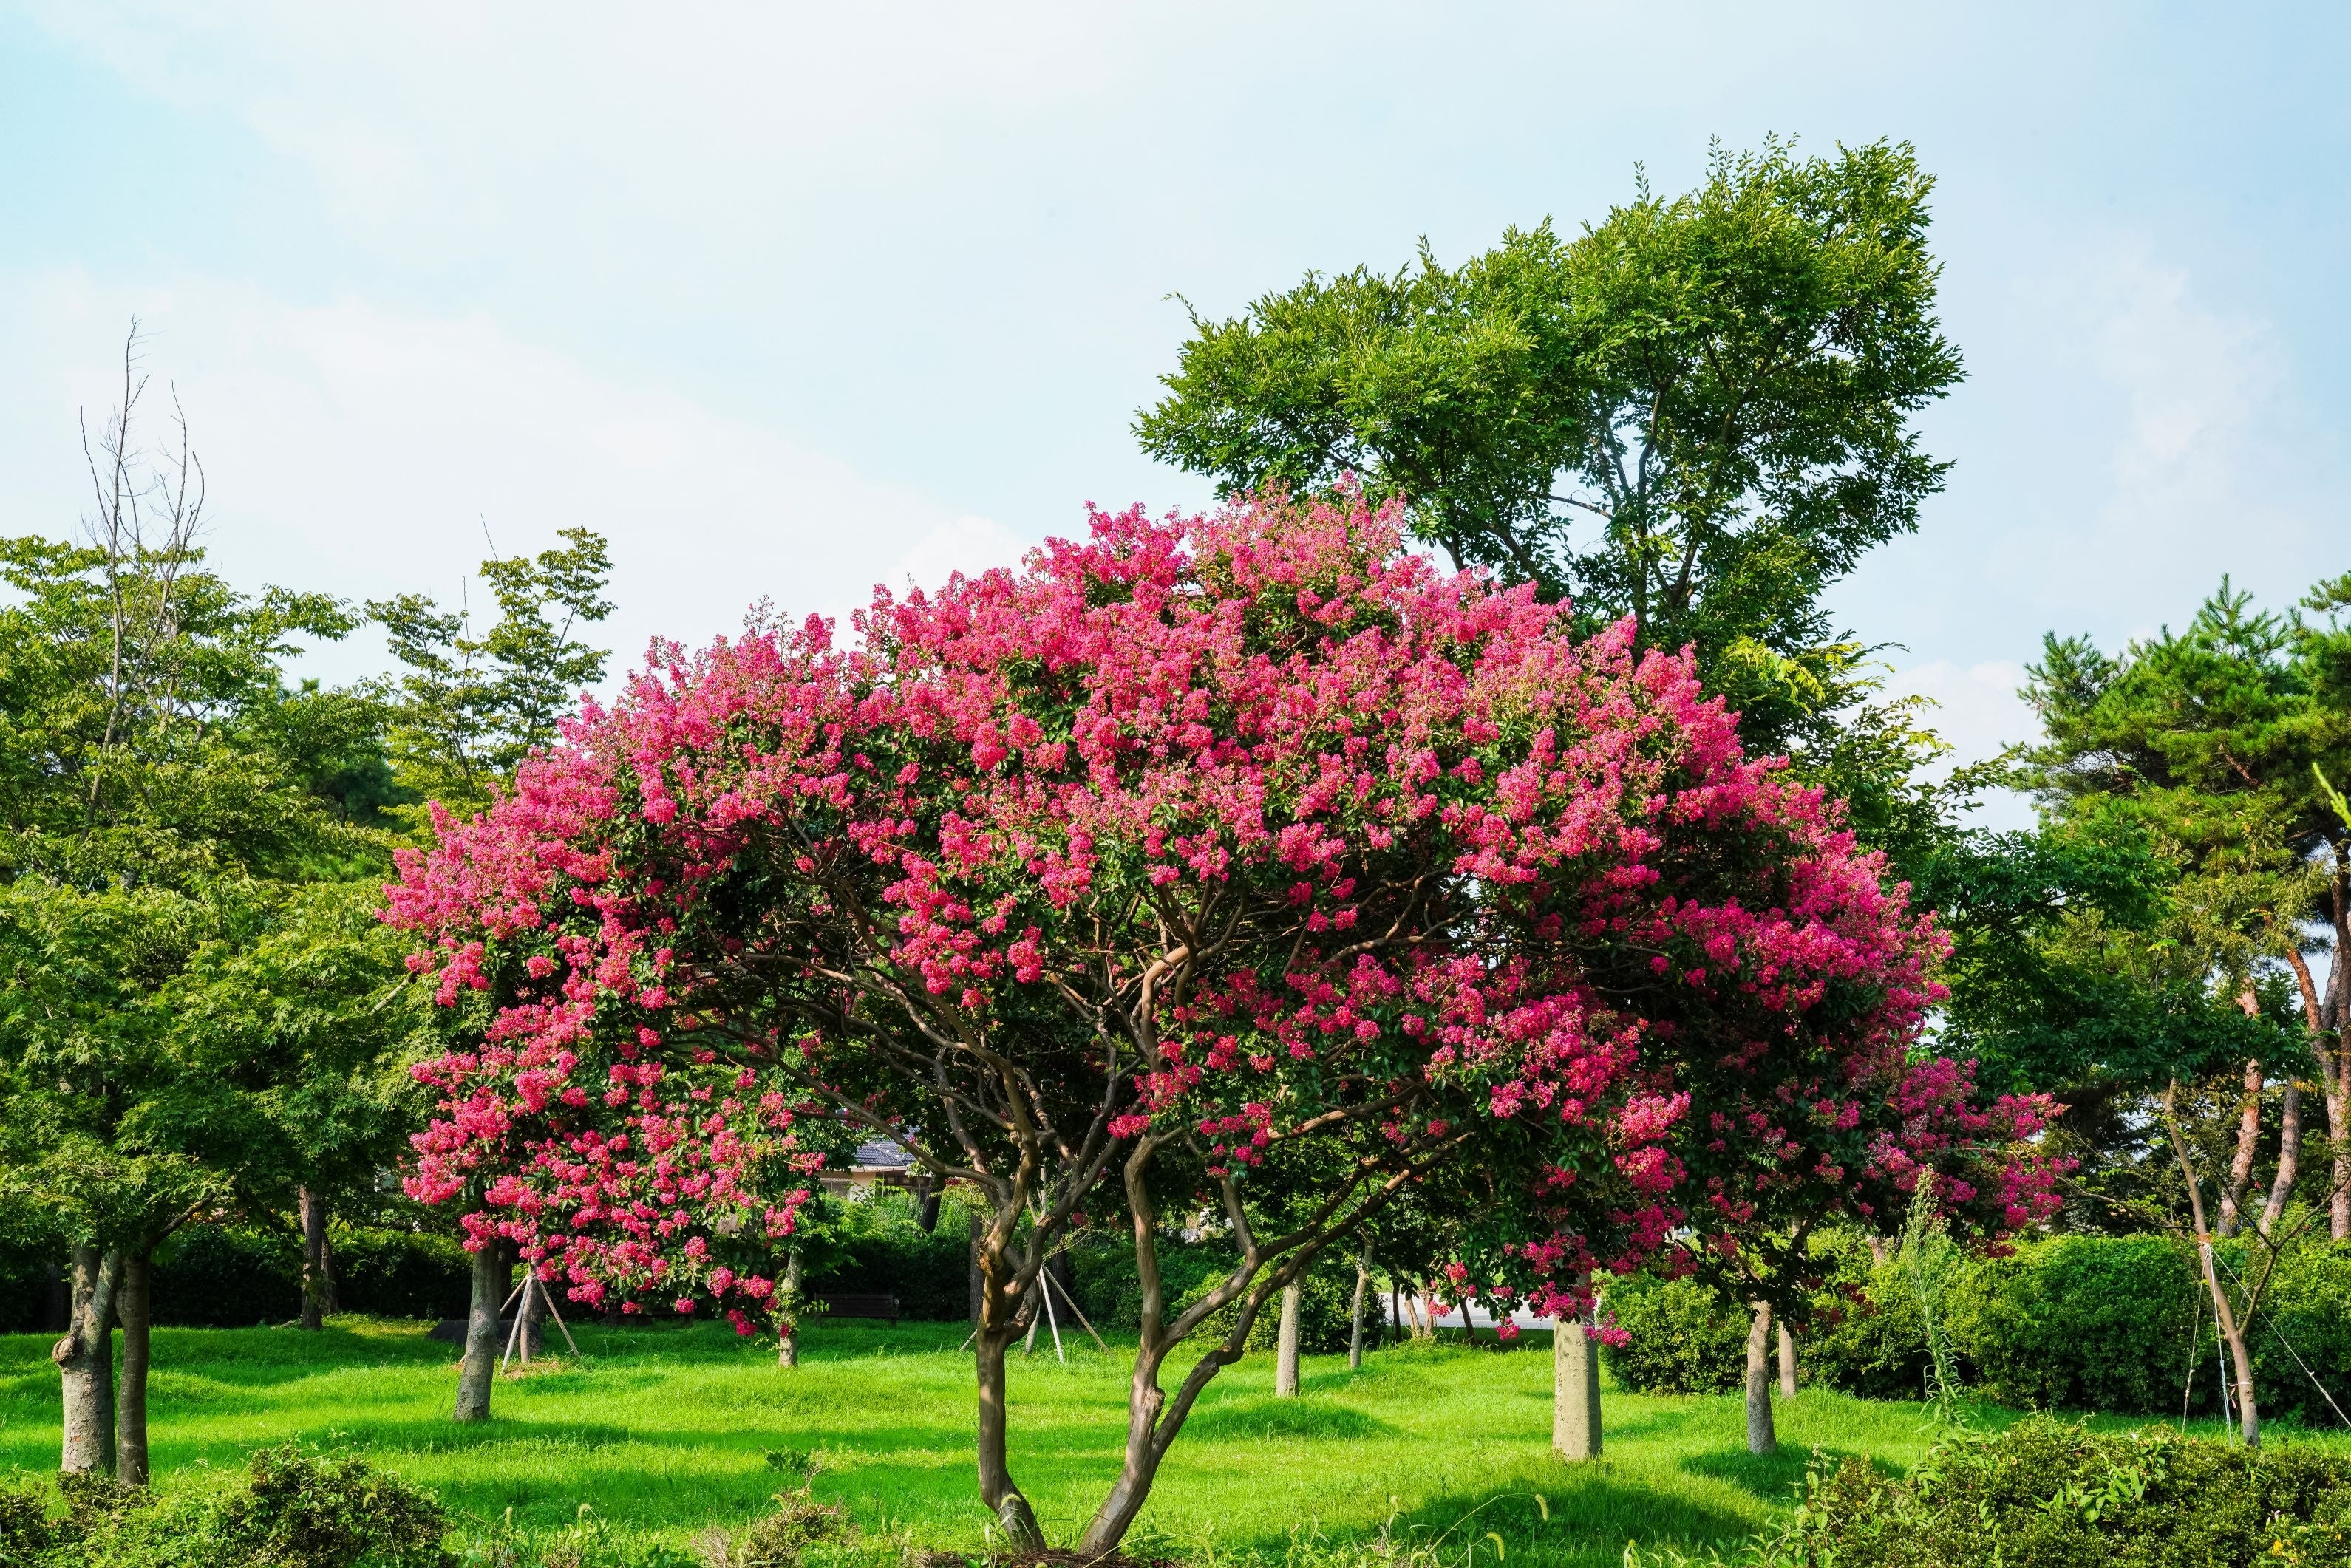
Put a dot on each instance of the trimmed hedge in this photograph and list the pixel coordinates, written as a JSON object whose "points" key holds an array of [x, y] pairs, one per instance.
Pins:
{"points": [[2113, 1323], [2046, 1494]]}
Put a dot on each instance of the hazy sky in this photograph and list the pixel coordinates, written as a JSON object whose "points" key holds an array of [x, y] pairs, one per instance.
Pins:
{"points": [[790, 299]]}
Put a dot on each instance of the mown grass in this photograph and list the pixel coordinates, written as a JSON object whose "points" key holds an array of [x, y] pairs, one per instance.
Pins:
{"points": [[668, 1431]]}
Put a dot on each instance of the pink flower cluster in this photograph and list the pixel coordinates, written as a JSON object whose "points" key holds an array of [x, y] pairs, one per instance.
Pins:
{"points": [[1255, 829]]}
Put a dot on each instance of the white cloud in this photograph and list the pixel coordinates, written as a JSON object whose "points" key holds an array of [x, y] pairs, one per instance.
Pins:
{"points": [[359, 451], [1978, 711]]}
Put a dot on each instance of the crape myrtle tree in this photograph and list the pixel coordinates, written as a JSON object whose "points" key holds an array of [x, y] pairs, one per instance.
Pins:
{"points": [[1245, 862]]}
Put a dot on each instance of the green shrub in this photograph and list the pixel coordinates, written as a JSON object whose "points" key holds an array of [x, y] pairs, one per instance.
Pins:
{"points": [[227, 1276], [1682, 1337], [290, 1509], [2082, 1323], [403, 1274], [2046, 1494], [1111, 1292], [2309, 1309]]}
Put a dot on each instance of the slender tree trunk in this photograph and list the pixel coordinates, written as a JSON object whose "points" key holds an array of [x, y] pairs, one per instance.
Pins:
{"points": [[132, 1307], [1285, 1348], [315, 1289], [927, 1213], [1787, 1363], [2289, 1165], [997, 1487], [2327, 1039], [532, 1310], [2224, 1315], [1575, 1386], [1760, 1438], [85, 1361], [788, 1308], [1355, 1312], [2241, 1169], [492, 1274], [978, 1285]]}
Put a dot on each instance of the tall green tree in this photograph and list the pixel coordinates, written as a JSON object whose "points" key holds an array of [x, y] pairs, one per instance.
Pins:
{"points": [[1699, 412], [166, 798], [2216, 742], [472, 705]]}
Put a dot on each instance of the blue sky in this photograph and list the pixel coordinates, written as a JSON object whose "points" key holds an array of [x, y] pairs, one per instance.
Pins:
{"points": [[791, 299]]}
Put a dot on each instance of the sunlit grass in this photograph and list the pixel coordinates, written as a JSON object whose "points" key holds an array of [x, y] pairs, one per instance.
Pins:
{"points": [[667, 1431]]}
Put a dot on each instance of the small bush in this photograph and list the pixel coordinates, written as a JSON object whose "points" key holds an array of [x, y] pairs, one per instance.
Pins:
{"points": [[1682, 1337], [290, 1511], [2046, 1494]]}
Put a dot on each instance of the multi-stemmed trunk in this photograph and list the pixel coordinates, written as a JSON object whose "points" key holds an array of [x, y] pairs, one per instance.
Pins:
{"points": [[1760, 1438], [85, 1362], [1285, 1352], [132, 1309], [318, 1281], [2329, 1024], [492, 1273], [1575, 1385]]}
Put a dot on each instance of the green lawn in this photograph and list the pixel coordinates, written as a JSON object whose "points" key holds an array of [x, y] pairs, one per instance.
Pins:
{"points": [[667, 1431]]}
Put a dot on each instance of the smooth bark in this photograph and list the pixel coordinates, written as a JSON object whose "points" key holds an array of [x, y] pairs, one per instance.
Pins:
{"points": [[1760, 1438], [133, 1308], [85, 1362], [492, 1274], [1285, 1348], [1576, 1388], [997, 1487], [1787, 1364], [2289, 1165], [1355, 1311], [318, 1291], [788, 1313]]}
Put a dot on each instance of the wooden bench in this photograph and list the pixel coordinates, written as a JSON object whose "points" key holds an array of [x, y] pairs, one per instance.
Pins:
{"points": [[854, 1305]]}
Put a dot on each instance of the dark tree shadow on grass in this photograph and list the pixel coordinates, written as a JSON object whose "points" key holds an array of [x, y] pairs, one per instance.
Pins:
{"points": [[1593, 1512], [1263, 1418], [1771, 1477]]}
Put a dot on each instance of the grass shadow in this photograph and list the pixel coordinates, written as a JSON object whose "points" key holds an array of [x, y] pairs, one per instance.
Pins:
{"points": [[1771, 1477], [1299, 1417]]}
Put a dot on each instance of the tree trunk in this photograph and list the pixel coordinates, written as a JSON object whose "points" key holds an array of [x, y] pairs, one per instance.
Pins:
{"points": [[1760, 1436], [85, 1361], [2224, 1315], [531, 1309], [2289, 1165], [2249, 1132], [1355, 1312], [1575, 1386], [131, 1306], [2327, 1038], [315, 1291], [1787, 1364], [978, 1285], [927, 1214], [996, 1488], [492, 1274], [787, 1309], [1285, 1350]]}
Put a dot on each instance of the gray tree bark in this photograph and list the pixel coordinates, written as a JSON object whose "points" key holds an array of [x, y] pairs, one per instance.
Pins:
{"points": [[493, 1276], [85, 1362], [788, 1305], [133, 1308], [1760, 1438], [1787, 1364], [1576, 1388], [1285, 1351], [317, 1290], [1356, 1313]]}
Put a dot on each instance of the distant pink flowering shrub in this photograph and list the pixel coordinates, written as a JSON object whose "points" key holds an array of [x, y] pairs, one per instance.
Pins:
{"points": [[1245, 861]]}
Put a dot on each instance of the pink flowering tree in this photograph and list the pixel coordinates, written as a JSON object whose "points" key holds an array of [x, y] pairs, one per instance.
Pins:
{"points": [[1244, 864]]}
